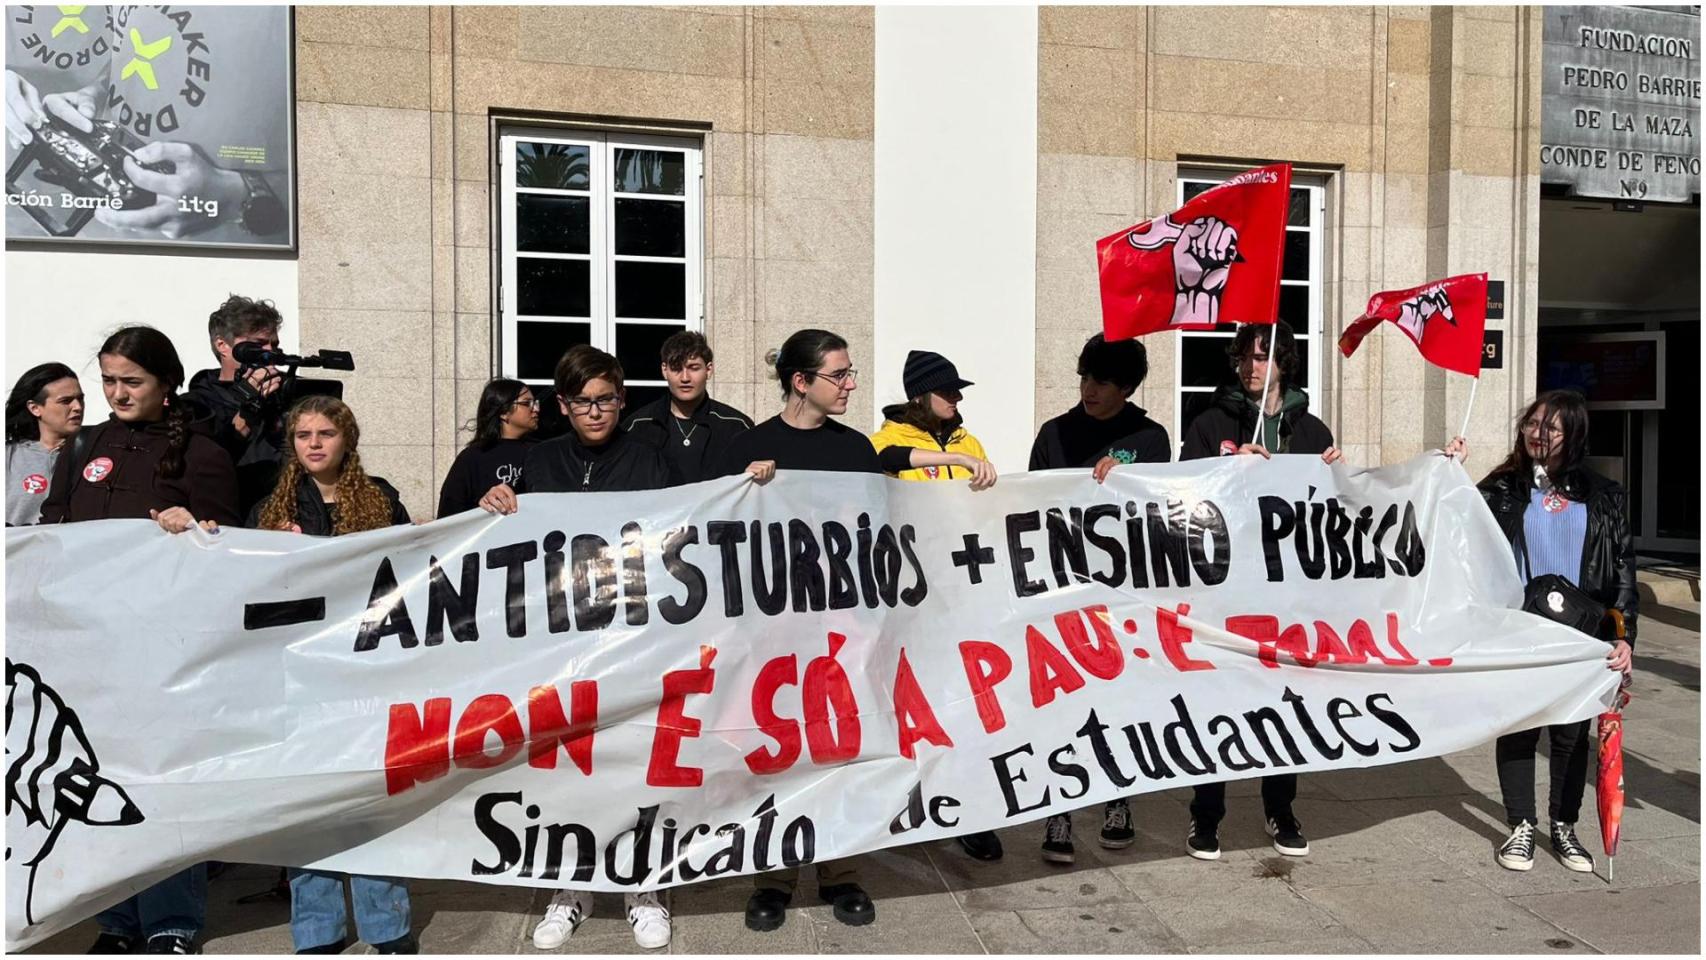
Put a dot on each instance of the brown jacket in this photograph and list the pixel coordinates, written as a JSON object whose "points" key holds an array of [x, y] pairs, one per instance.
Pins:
{"points": [[115, 477]]}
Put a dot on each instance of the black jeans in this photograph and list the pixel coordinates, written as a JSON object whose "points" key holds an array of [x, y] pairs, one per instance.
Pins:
{"points": [[1568, 746], [1208, 801]]}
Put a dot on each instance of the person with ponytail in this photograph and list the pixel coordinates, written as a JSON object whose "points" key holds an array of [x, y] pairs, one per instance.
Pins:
{"points": [[816, 376], [323, 491], [147, 461], [44, 410], [506, 426]]}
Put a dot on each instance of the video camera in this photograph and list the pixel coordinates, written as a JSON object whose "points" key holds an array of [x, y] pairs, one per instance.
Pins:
{"points": [[252, 356]]}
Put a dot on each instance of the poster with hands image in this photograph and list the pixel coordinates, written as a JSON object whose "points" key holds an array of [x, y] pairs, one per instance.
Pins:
{"points": [[150, 125]]}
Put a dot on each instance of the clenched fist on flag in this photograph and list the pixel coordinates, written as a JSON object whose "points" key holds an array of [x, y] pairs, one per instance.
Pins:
{"points": [[1214, 260]]}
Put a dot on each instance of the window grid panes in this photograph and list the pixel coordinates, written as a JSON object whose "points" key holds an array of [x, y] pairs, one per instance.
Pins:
{"points": [[600, 242], [1200, 363]]}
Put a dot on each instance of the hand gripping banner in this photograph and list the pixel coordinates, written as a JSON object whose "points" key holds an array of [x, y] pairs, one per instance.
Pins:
{"points": [[633, 691]]}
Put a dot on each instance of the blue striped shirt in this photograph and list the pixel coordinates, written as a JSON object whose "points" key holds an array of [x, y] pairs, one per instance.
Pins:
{"points": [[1554, 540]]}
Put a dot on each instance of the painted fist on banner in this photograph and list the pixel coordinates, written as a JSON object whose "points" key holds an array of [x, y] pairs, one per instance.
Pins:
{"points": [[1414, 314], [52, 776], [1203, 253]]}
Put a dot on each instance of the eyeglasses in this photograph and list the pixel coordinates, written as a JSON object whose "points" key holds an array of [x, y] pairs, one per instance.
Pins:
{"points": [[529, 402], [1540, 428], [605, 404], [839, 379]]}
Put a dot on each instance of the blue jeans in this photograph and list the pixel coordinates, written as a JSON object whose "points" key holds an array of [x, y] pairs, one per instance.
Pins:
{"points": [[176, 905], [317, 908]]}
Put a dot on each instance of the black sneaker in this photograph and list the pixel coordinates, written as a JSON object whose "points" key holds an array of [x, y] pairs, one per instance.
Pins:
{"points": [[169, 943], [1203, 841], [981, 846], [403, 944], [1057, 839], [114, 943], [1570, 851], [336, 946], [1116, 825], [1288, 836], [1517, 853]]}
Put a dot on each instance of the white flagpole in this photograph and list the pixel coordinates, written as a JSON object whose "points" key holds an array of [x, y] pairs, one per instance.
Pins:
{"points": [[1469, 408], [1267, 377]]}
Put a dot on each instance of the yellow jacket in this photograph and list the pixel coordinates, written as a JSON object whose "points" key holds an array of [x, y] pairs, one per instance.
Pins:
{"points": [[895, 434]]}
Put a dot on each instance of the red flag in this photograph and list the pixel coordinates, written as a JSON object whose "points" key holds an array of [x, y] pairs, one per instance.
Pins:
{"points": [[1446, 319], [1214, 260]]}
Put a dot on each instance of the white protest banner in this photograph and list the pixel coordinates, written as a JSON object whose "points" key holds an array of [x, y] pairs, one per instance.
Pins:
{"points": [[633, 691]]}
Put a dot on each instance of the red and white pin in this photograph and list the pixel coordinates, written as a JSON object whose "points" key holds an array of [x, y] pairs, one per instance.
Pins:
{"points": [[97, 469]]}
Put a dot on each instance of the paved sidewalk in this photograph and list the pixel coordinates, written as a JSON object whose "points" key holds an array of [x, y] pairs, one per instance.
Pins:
{"points": [[1402, 862]]}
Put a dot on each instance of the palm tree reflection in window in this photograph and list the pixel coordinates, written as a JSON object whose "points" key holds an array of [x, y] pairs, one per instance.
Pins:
{"points": [[553, 166], [648, 171]]}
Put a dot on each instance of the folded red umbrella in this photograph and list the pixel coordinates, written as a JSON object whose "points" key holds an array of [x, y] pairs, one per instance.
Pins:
{"points": [[1609, 787]]}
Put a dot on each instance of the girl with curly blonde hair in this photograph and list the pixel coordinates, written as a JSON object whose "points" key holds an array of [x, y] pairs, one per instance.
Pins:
{"points": [[323, 491]]}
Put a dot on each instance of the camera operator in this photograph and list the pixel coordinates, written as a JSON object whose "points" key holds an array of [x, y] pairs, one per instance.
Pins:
{"points": [[244, 403]]}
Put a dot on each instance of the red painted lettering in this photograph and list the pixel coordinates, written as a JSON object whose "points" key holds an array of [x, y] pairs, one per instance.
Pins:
{"points": [[673, 724], [548, 728], [986, 666], [417, 749], [917, 721]]}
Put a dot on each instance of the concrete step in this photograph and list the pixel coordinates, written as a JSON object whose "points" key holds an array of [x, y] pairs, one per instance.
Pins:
{"points": [[1669, 586]]}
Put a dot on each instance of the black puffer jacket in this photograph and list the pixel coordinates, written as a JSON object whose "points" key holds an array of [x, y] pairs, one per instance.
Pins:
{"points": [[314, 514], [1608, 549]]}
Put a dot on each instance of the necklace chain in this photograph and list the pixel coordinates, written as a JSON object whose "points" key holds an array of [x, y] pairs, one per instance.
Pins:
{"points": [[686, 435]]}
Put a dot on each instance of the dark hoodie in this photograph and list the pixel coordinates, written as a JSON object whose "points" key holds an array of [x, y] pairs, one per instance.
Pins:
{"points": [[111, 473], [1076, 439], [1231, 419], [565, 465]]}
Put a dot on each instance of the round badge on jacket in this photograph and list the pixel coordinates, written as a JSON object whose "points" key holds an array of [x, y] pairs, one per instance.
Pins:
{"points": [[35, 483], [97, 469], [1553, 502]]}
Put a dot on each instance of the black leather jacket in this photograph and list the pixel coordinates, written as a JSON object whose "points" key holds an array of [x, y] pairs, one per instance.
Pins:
{"points": [[1608, 549]]}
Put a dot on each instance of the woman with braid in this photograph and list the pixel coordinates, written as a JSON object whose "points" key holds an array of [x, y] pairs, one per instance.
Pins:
{"points": [[147, 461], [323, 491]]}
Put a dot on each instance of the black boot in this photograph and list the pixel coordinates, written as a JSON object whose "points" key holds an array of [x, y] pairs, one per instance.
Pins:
{"points": [[767, 909], [852, 905]]}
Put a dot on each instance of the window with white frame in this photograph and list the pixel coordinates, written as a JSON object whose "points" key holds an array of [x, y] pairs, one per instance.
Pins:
{"points": [[601, 243], [1200, 362]]}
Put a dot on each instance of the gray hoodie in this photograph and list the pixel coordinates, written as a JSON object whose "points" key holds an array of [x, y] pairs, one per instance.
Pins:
{"points": [[29, 468]]}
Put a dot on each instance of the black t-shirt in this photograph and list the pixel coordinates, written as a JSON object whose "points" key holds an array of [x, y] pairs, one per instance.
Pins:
{"points": [[475, 471], [833, 446]]}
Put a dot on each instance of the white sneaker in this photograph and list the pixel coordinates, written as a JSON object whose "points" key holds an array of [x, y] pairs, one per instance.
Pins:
{"points": [[568, 908], [649, 918]]}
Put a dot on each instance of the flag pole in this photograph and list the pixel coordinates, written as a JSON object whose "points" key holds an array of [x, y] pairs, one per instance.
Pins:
{"points": [[1267, 378], [1469, 408]]}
